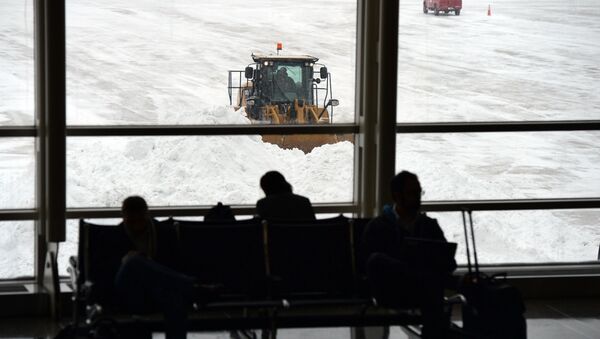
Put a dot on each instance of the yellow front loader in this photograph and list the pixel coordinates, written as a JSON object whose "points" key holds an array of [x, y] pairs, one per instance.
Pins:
{"points": [[286, 90]]}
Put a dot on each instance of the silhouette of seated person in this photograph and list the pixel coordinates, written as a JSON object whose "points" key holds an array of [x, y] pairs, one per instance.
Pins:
{"points": [[395, 277], [279, 202], [144, 283], [285, 85]]}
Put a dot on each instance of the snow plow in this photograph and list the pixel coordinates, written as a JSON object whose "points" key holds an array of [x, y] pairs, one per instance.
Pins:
{"points": [[277, 89]]}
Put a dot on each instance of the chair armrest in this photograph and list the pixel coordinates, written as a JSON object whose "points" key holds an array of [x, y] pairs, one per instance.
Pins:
{"points": [[450, 302], [457, 299]]}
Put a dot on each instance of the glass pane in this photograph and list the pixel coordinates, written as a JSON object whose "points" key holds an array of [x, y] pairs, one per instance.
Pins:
{"points": [[503, 165], [17, 173], [16, 249], [537, 236], [200, 170], [155, 63], [528, 60], [16, 63]]}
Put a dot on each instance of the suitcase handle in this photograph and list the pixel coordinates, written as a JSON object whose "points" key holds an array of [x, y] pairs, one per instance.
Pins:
{"points": [[475, 259]]}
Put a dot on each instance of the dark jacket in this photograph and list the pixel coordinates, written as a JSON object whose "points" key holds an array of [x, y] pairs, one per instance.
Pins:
{"points": [[384, 235], [285, 206]]}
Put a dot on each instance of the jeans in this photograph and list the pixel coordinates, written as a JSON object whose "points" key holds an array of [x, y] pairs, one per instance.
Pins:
{"points": [[145, 286]]}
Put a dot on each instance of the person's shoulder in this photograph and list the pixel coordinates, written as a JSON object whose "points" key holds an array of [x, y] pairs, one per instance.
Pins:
{"points": [[431, 226], [261, 200], [427, 219], [301, 197]]}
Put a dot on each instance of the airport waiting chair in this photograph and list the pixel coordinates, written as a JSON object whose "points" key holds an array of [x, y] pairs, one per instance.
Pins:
{"points": [[358, 229], [99, 256], [275, 274], [101, 248], [310, 259], [226, 253]]}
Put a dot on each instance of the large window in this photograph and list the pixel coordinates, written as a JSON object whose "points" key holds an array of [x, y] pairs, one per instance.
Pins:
{"points": [[200, 170], [17, 173], [527, 236], [527, 61], [180, 102], [17, 249], [167, 63], [158, 65], [512, 61], [511, 165], [17, 154], [152, 64], [16, 63]]}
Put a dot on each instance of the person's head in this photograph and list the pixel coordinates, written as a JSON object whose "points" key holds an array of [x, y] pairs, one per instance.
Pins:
{"points": [[135, 214], [273, 182], [406, 192], [282, 72]]}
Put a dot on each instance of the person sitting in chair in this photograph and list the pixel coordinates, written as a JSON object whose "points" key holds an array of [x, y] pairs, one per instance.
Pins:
{"points": [[396, 277], [280, 203], [144, 282]]}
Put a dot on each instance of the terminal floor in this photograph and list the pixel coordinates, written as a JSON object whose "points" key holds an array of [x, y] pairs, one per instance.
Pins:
{"points": [[548, 319]]}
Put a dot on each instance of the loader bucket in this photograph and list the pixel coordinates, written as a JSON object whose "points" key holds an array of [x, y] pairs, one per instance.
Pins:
{"points": [[306, 142]]}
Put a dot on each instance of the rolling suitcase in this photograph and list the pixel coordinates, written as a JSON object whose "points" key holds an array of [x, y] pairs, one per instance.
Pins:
{"points": [[494, 309]]}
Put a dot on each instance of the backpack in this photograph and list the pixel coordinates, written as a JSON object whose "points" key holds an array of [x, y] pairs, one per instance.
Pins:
{"points": [[220, 212]]}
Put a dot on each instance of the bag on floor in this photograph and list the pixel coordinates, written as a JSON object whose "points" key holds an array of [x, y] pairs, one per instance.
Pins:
{"points": [[494, 308]]}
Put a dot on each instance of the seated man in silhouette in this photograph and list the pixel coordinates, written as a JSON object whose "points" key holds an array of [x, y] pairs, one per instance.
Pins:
{"points": [[279, 202], [144, 282], [396, 278]]}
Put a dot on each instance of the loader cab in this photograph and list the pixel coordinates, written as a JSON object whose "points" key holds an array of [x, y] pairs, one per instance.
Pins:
{"points": [[289, 89], [281, 80], [286, 89]]}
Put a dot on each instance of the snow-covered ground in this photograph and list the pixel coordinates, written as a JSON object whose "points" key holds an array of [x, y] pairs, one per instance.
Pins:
{"points": [[529, 60], [148, 62]]}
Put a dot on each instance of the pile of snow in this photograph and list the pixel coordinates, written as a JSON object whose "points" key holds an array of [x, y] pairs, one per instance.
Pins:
{"points": [[200, 170]]}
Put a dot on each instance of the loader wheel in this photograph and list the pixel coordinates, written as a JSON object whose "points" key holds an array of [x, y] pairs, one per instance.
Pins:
{"points": [[425, 9], [436, 11], [457, 12]]}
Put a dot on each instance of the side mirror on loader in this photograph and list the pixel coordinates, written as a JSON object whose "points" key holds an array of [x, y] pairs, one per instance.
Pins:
{"points": [[333, 102], [323, 72], [249, 72]]}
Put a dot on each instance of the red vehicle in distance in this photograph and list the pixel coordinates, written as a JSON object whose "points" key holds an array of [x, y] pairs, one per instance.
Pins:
{"points": [[445, 6]]}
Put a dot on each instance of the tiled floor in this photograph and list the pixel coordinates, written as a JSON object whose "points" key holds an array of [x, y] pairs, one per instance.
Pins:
{"points": [[547, 319]]}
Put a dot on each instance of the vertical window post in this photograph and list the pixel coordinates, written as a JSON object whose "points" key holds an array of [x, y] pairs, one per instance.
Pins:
{"points": [[40, 146], [55, 121], [386, 109], [52, 126], [366, 106]]}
